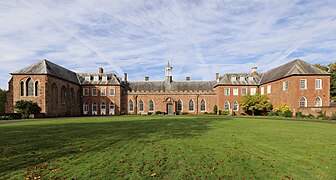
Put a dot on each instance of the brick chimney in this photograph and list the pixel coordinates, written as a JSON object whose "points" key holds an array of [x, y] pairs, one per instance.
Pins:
{"points": [[101, 70], [146, 78], [188, 78], [125, 77]]}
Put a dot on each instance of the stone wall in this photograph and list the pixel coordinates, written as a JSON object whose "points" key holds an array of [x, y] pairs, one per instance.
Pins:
{"points": [[316, 110]]}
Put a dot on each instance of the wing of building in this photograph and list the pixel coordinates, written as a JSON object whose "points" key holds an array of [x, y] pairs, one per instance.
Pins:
{"points": [[61, 92]]}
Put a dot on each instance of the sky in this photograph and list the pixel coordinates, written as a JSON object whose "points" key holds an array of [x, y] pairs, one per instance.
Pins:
{"points": [[138, 37]]}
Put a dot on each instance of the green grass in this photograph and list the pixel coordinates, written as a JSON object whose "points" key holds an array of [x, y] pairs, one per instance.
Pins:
{"points": [[173, 147]]}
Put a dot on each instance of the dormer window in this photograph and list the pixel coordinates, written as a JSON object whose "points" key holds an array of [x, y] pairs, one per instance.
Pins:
{"points": [[233, 78], [87, 78], [104, 78], [241, 78], [96, 78], [251, 78]]}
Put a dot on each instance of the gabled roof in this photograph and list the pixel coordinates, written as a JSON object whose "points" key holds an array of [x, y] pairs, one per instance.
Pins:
{"points": [[175, 86], [232, 79], [112, 79], [46, 67], [296, 67]]}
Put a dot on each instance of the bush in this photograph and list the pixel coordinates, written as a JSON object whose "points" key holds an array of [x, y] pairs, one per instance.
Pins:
{"points": [[184, 113], [215, 109], [6, 118], [284, 110], [287, 113], [272, 113], [158, 112], [150, 113], [299, 114], [26, 108], [309, 116], [225, 112], [322, 115], [206, 113], [333, 116], [233, 113]]}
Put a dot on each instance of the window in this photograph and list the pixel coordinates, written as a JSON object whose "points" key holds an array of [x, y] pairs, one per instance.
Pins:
{"points": [[235, 106], [318, 102], [241, 78], [29, 87], [179, 105], [318, 83], [141, 105], [103, 91], [227, 106], [112, 106], [226, 91], [87, 78], [253, 91], [85, 91], [202, 105], [235, 91], [37, 88], [63, 94], [285, 85], [130, 106], [103, 108], [22, 88], [94, 91], [244, 91], [94, 108], [233, 78], [112, 92], [251, 78], [303, 84], [104, 78], [269, 90], [151, 105], [85, 108], [262, 89], [303, 102], [191, 105], [96, 78]]}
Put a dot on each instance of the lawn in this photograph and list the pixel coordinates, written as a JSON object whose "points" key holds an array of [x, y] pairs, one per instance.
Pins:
{"points": [[169, 147]]}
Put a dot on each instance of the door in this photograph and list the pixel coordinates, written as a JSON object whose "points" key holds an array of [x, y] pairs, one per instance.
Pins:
{"points": [[112, 107], [169, 109]]}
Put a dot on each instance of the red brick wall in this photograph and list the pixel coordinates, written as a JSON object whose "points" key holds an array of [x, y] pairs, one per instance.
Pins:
{"points": [[315, 110]]}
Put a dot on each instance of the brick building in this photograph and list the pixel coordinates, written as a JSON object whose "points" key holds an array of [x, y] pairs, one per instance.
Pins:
{"points": [[61, 92]]}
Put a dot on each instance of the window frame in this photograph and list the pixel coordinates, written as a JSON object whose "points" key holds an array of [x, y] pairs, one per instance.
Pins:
{"points": [[94, 90], [235, 93], [227, 103], [103, 92], [203, 110], [193, 105], [285, 85], [227, 91], [320, 84], [306, 102], [269, 89], [88, 92], [305, 84], [110, 92], [242, 92], [254, 91]]}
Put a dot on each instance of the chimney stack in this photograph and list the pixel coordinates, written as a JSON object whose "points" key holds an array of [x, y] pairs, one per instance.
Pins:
{"points": [[146, 78], [254, 69], [125, 77], [101, 70], [188, 78], [217, 76]]}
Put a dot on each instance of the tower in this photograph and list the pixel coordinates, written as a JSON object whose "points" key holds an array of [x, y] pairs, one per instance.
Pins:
{"points": [[168, 70]]}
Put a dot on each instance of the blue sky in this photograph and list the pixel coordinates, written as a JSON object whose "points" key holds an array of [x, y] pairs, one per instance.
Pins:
{"points": [[140, 36]]}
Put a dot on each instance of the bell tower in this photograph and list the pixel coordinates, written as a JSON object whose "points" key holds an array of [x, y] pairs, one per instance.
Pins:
{"points": [[168, 70]]}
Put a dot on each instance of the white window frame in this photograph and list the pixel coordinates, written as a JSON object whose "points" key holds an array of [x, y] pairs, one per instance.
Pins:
{"points": [[192, 106], [143, 106], [305, 84], [243, 94], [285, 86], [204, 105], [228, 104], [96, 94], [87, 78], [86, 94], [318, 97], [269, 89], [233, 78], [96, 78], [110, 91], [306, 102], [262, 90], [234, 106], [96, 111], [104, 78], [149, 110], [319, 83], [242, 78], [235, 91], [129, 109], [103, 92], [253, 91], [227, 93], [85, 108], [181, 105]]}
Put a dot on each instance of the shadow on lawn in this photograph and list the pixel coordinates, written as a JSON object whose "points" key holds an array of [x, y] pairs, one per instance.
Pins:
{"points": [[22, 146]]}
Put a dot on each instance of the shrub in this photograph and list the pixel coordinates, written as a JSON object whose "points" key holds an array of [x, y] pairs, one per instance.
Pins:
{"points": [[150, 113], [284, 110], [298, 114], [233, 113], [184, 113], [322, 115], [225, 113], [309, 116], [158, 112], [215, 109], [6, 118], [272, 113], [333, 116], [287, 113], [206, 113], [26, 108], [220, 112]]}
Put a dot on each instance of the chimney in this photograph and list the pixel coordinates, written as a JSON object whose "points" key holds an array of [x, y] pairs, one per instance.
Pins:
{"points": [[188, 78], [146, 78], [125, 77], [101, 70], [254, 69], [217, 76]]}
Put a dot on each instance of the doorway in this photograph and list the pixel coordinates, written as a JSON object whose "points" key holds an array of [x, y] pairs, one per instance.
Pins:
{"points": [[170, 109]]}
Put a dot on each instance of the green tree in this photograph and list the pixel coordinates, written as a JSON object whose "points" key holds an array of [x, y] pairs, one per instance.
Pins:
{"points": [[255, 104], [3, 97], [215, 109], [332, 69], [26, 108]]}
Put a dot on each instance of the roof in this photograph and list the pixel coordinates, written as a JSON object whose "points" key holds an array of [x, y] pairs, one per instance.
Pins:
{"points": [[296, 67], [48, 68], [112, 79], [247, 79], [175, 86]]}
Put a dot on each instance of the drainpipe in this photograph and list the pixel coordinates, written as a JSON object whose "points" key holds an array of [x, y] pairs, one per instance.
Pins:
{"points": [[197, 103], [136, 104]]}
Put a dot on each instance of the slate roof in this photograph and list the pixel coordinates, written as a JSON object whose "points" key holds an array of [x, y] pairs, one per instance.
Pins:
{"points": [[296, 67], [247, 79], [46, 67], [152, 86], [112, 79]]}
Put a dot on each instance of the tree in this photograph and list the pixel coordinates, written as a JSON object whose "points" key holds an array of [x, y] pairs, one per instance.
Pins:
{"points": [[3, 97], [215, 109], [255, 104], [332, 69], [26, 108]]}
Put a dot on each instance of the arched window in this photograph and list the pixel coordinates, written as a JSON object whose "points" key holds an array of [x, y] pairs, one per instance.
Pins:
{"points": [[22, 88], [130, 106], [85, 108], [202, 105], [303, 102], [141, 105], [227, 106], [112, 107], [191, 105], [54, 93], [94, 108], [63, 95], [29, 87], [151, 105], [318, 102], [235, 106], [103, 108], [179, 105], [37, 88]]}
